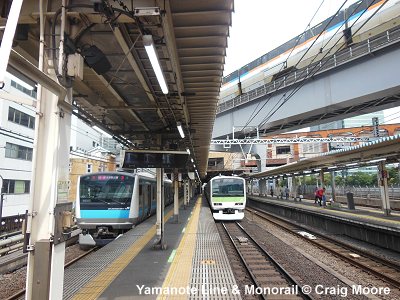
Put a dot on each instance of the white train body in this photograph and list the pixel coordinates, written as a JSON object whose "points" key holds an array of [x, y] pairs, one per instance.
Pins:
{"points": [[275, 63], [227, 197], [111, 203]]}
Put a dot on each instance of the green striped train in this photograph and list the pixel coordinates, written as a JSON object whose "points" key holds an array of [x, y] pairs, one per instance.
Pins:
{"points": [[227, 197]]}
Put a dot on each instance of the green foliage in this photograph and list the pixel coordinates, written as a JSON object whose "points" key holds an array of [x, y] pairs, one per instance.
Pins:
{"points": [[367, 179]]}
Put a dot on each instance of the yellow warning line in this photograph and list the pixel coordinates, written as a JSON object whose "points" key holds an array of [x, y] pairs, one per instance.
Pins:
{"points": [[181, 267], [94, 288]]}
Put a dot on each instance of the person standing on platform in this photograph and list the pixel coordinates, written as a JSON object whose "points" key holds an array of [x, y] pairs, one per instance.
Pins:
{"points": [[271, 191], [323, 198], [316, 195], [321, 195], [287, 193]]}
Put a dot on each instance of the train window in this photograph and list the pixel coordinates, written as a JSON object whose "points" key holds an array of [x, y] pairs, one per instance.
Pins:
{"points": [[230, 187], [358, 6]]}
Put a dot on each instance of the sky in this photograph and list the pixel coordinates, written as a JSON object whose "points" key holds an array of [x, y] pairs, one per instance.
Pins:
{"points": [[259, 26]]}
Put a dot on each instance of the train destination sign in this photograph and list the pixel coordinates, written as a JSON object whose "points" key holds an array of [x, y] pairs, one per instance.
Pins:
{"points": [[133, 159]]}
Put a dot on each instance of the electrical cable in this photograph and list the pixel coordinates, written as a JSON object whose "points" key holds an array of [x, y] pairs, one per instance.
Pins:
{"points": [[285, 62], [309, 48], [320, 65]]}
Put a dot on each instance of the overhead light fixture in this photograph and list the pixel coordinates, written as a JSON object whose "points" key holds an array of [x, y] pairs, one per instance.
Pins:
{"points": [[106, 134], [192, 160], [377, 160], [155, 63], [180, 129], [351, 165], [188, 151], [8, 36]]}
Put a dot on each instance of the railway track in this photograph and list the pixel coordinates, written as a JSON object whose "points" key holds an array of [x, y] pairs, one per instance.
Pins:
{"points": [[385, 270], [268, 277], [20, 294]]}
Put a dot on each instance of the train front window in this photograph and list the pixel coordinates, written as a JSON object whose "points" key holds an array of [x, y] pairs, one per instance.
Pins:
{"points": [[227, 187], [109, 189]]}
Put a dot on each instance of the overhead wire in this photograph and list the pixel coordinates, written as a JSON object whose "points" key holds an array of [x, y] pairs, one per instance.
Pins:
{"points": [[326, 26], [267, 118], [285, 62], [309, 48]]}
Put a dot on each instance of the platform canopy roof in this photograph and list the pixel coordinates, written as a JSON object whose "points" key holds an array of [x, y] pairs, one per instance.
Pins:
{"points": [[124, 96], [385, 149]]}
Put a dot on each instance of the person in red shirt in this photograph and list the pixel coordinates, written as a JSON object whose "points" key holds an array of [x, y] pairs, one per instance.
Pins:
{"points": [[320, 195]]}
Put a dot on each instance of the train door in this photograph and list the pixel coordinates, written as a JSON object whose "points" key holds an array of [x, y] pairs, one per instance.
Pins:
{"points": [[147, 199], [153, 196], [141, 200]]}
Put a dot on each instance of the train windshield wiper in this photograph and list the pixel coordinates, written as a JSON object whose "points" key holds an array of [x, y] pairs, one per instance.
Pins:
{"points": [[112, 200]]}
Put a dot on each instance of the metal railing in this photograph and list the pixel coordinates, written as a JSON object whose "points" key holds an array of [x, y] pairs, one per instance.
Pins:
{"points": [[346, 55], [367, 192]]}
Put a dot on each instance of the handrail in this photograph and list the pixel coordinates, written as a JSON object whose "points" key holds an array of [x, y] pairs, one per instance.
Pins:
{"points": [[363, 48]]}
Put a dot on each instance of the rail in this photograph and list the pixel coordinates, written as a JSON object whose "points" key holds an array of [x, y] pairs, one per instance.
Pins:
{"points": [[252, 253], [379, 267], [363, 48]]}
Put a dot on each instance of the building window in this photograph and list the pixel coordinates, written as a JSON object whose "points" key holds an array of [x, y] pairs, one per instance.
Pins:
{"points": [[29, 92], [89, 168], [283, 150], [18, 152], [21, 118], [11, 186]]}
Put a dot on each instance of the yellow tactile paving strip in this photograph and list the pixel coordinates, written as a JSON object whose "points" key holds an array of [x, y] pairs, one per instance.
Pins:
{"points": [[181, 268], [94, 288]]}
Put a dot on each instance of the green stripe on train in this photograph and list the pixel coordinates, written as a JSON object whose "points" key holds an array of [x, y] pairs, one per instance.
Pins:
{"points": [[227, 199]]}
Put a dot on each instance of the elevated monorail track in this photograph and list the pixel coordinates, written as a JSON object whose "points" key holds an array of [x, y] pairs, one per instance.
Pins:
{"points": [[266, 274], [388, 271]]}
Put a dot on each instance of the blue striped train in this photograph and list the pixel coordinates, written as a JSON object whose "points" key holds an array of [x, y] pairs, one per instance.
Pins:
{"points": [[110, 203]]}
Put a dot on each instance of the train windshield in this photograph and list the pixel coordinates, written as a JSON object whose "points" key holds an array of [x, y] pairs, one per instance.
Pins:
{"points": [[110, 189], [227, 187]]}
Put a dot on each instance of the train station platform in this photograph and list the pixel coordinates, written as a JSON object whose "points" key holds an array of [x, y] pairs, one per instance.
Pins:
{"points": [[194, 266], [367, 224]]}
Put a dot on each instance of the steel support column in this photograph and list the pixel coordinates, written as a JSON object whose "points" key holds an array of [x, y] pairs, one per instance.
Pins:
{"points": [[383, 183], [159, 242], [176, 198], [333, 184]]}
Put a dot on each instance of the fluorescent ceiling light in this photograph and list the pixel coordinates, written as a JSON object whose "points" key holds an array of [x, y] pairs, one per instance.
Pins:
{"points": [[180, 129], [155, 63], [7, 40], [106, 134], [188, 151], [377, 160], [332, 168], [352, 164], [192, 160]]}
